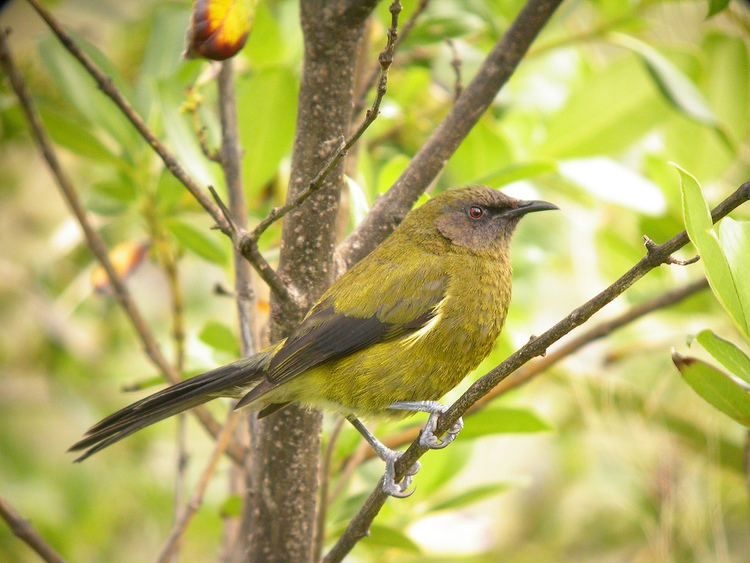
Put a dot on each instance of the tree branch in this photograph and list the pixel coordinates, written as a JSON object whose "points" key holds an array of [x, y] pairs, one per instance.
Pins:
{"points": [[536, 367], [222, 220], [196, 499], [27, 534], [656, 256], [95, 242], [497, 68]]}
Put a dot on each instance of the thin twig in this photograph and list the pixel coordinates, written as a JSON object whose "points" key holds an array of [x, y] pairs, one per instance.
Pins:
{"points": [[231, 159], [456, 64], [372, 77], [324, 477], [429, 161], [359, 525], [95, 242], [170, 161], [536, 367], [26, 533], [249, 241], [225, 437]]}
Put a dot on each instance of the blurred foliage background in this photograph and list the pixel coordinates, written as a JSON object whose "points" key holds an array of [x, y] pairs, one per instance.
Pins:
{"points": [[607, 457]]}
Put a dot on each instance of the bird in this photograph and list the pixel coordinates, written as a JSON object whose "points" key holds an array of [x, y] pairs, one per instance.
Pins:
{"points": [[390, 337]]}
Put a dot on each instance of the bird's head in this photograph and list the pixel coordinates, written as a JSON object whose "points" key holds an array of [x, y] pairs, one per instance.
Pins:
{"points": [[476, 218]]}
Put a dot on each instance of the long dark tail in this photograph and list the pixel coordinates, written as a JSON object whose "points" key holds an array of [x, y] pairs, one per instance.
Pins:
{"points": [[226, 381]]}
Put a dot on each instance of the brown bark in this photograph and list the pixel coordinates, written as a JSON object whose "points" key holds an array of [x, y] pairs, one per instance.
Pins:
{"points": [[279, 518]]}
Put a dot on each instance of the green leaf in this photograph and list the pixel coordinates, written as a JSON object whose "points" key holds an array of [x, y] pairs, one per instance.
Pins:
{"points": [[69, 133], [700, 230], [677, 88], [471, 496], [197, 241], [483, 151], [716, 6], [385, 536], [503, 420], [231, 507], [219, 337], [734, 237], [715, 387], [267, 103], [725, 352]]}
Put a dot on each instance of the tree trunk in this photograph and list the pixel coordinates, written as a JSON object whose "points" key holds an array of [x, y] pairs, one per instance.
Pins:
{"points": [[279, 516]]}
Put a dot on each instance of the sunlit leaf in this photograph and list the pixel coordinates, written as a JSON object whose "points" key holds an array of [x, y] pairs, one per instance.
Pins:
{"points": [[676, 87], [125, 258], [515, 172], [471, 496], [358, 206], [700, 230], [385, 536], [725, 352], [734, 237], [715, 387], [219, 337], [391, 171], [197, 241], [219, 28], [502, 420]]}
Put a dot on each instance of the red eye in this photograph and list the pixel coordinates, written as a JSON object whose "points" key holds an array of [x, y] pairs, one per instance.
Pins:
{"points": [[475, 212]]}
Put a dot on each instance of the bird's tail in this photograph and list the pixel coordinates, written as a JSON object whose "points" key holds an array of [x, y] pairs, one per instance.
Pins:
{"points": [[227, 381]]}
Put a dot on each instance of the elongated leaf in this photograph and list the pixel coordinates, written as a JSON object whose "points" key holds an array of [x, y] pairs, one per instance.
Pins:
{"points": [[471, 496], [734, 237], [516, 172], [198, 242], [729, 355], [386, 536], [503, 420], [219, 337], [267, 105], [716, 387], [700, 230], [677, 88]]}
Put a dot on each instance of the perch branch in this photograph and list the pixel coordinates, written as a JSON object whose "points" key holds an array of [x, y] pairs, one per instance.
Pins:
{"points": [[26, 533], [536, 367], [497, 68], [658, 255], [95, 242]]}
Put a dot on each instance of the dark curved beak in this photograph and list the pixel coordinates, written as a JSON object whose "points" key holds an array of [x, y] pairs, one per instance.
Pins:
{"points": [[533, 206]]}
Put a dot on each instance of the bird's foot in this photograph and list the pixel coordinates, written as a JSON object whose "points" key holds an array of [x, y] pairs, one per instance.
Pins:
{"points": [[428, 439], [390, 457], [390, 486]]}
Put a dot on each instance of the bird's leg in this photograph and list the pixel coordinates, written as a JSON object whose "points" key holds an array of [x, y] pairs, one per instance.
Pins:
{"points": [[389, 456], [428, 439]]}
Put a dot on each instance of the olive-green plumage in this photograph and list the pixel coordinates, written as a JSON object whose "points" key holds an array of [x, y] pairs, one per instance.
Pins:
{"points": [[405, 324]]}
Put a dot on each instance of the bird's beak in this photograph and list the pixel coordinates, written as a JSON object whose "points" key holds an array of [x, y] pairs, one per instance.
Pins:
{"points": [[533, 206]]}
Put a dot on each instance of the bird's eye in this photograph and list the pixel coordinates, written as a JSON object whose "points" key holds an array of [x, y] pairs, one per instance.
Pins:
{"points": [[475, 212]]}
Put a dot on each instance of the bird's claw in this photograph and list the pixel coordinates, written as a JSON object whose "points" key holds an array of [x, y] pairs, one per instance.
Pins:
{"points": [[390, 486], [428, 439]]}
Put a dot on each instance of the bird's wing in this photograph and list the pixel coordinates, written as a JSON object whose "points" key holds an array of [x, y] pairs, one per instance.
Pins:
{"points": [[359, 311]]}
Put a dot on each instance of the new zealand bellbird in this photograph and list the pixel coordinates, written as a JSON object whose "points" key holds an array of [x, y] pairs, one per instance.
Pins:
{"points": [[395, 333]]}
